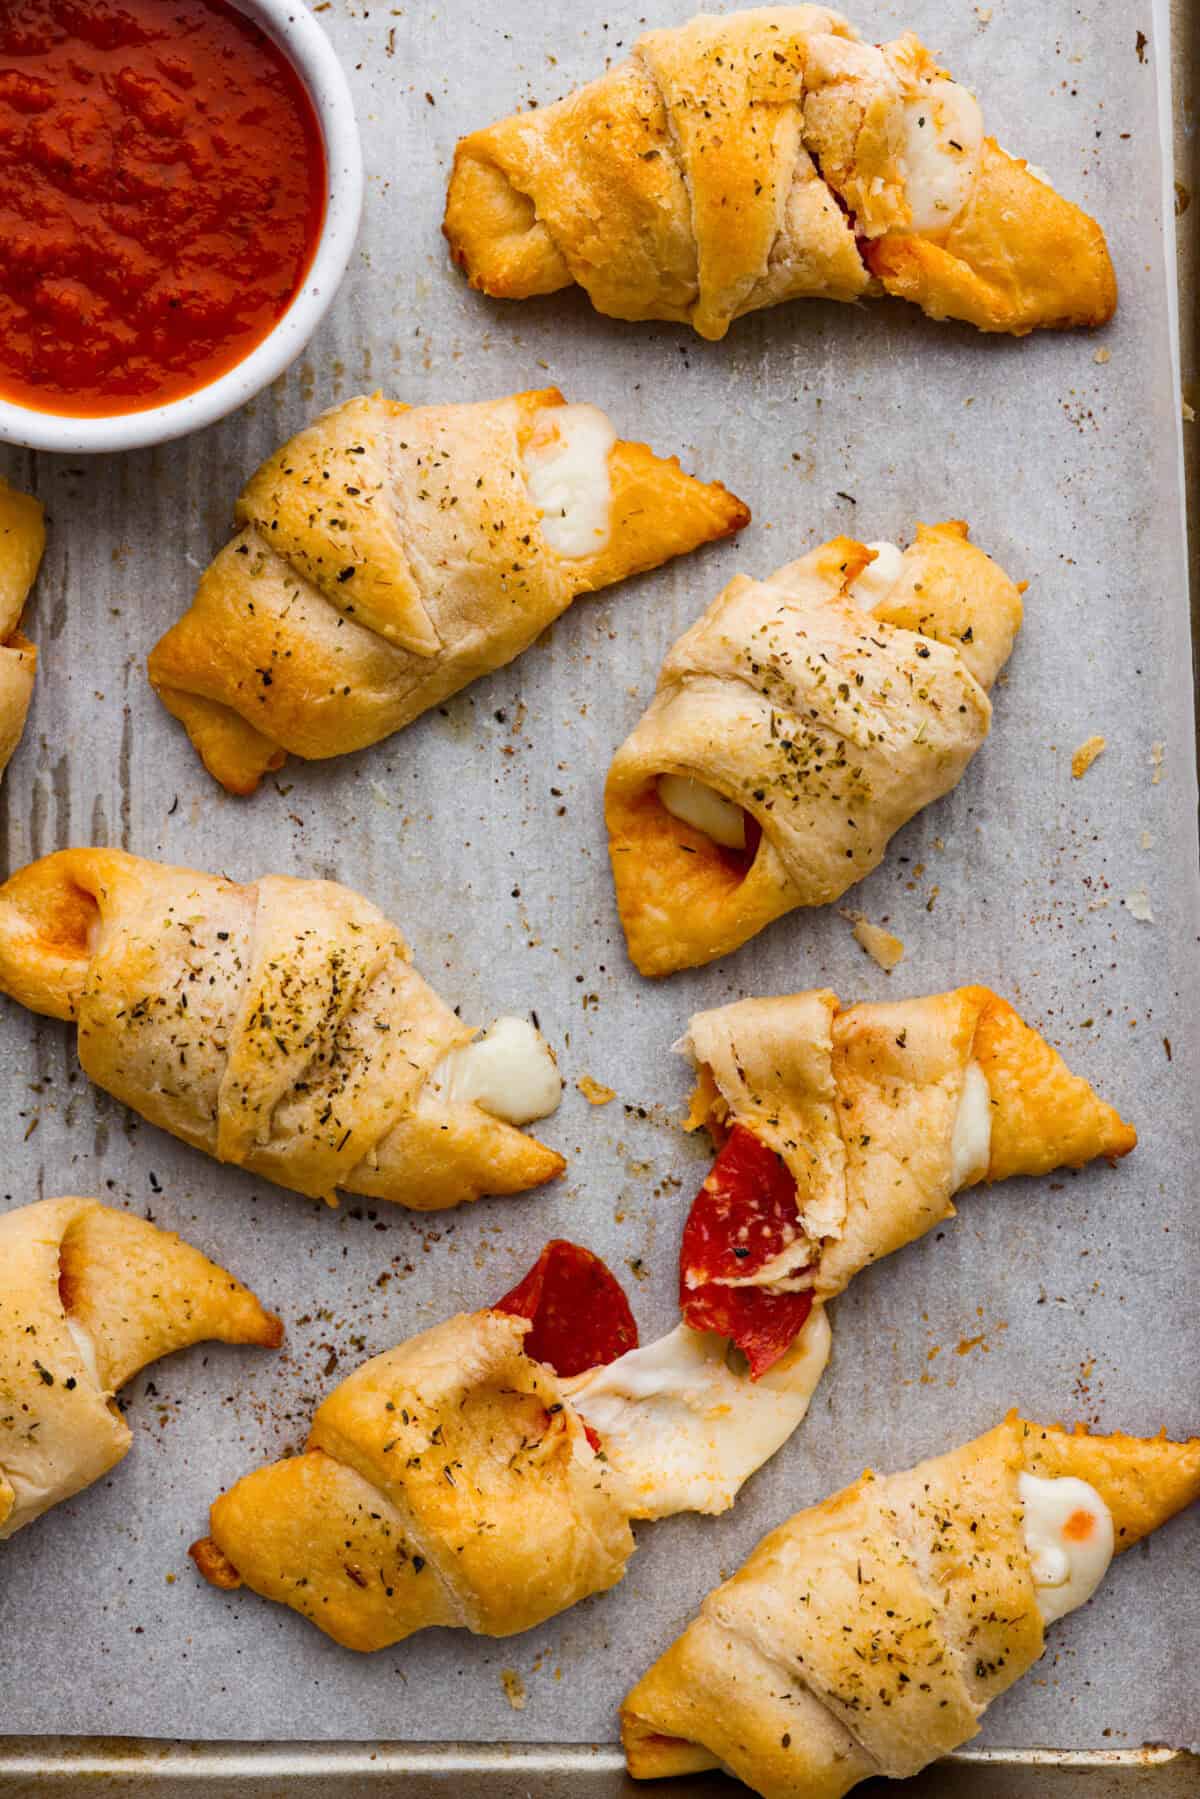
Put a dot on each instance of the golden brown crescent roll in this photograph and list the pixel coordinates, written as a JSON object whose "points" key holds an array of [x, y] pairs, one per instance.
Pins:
{"points": [[753, 157], [22, 541], [88, 1296], [867, 1635], [880, 1113], [447, 1481], [391, 554], [278, 1025], [484, 1474], [796, 727]]}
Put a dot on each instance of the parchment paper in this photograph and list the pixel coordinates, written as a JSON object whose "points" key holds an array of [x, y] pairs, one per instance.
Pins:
{"points": [[480, 830]]}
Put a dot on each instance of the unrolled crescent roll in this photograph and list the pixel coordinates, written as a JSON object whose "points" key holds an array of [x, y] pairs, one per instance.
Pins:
{"points": [[389, 555], [22, 541], [278, 1025], [796, 727], [867, 1635], [447, 1481], [88, 1296], [879, 1113], [745, 159]]}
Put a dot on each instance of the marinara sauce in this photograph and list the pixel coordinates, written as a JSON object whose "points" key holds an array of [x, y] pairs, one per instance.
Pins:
{"points": [[162, 191]]}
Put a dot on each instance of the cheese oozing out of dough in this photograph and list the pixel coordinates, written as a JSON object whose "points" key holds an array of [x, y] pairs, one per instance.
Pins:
{"points": [[680, 1430], [509, 1072], [971, 1142], [879, 577], [84, 1343], [1069, 1535], [943, 136], [704, 809], [566, 472]]}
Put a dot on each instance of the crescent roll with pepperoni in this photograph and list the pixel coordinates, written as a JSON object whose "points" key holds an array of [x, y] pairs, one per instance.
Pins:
{"points": [[868, 1635], [748, 158], [447, 1481], [389, 555], [484, 1473], [278, 1025], [88, 1297], [22, 541], [843, 1134], [796, 727]]}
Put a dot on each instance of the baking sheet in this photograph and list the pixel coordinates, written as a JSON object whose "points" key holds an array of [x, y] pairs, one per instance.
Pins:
{"points": [[1068, 1297]]}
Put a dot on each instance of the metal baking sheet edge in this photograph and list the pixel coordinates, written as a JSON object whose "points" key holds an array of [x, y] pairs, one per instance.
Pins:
{"points": [[552, 1771], [563, 1771]]}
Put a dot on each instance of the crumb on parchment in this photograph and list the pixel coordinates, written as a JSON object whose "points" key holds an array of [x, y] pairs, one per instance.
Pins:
{"points": [[880, 945], [595, 1092], [1157, 753], [1137, 904], [1086, 754], [514, 1688]]}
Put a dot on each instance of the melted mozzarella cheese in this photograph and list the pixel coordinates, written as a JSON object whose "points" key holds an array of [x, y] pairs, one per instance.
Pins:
{"points": [[943, 136], [704, 809], [1069, 1535], [510, 1072], [971, 1142], [85, 1344], [879, 577], [681, 1431], [566, 472]]}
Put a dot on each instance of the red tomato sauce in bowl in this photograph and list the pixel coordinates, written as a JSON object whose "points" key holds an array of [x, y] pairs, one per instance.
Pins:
{"points": [[162, 194]]}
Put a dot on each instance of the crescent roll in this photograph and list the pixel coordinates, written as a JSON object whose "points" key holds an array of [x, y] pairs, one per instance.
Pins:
{"points": [[871, 1118], [754, 157], [796, 727], [484, 1473], [280, 1026], [389, 555], [868, 1635], [447, 1481], [22, 541], [88, 1296]]}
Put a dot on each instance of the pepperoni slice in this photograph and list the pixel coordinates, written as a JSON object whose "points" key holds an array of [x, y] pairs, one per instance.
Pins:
{"points": [[744, 1216], [580, 1316], [763, 1325]]}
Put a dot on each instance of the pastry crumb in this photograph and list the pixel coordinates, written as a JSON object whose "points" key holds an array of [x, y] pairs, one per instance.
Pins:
{"points": [[595, 1092], [1102, 356], [1086, 754], [1137, 904], [514, 1688], [880, 945], [1147, 840], [1157, 753]]}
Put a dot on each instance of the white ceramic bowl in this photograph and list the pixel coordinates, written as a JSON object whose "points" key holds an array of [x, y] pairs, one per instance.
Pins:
{"points": [[300, 37]]}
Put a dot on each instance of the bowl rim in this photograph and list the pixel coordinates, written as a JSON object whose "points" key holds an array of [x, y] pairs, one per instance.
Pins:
{"points": [[292, 27]]}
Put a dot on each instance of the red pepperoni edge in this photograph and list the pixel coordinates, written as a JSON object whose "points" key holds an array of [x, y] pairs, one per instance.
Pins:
{"points": [[763, 1325], [742, 1217], [580, 1317]]}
